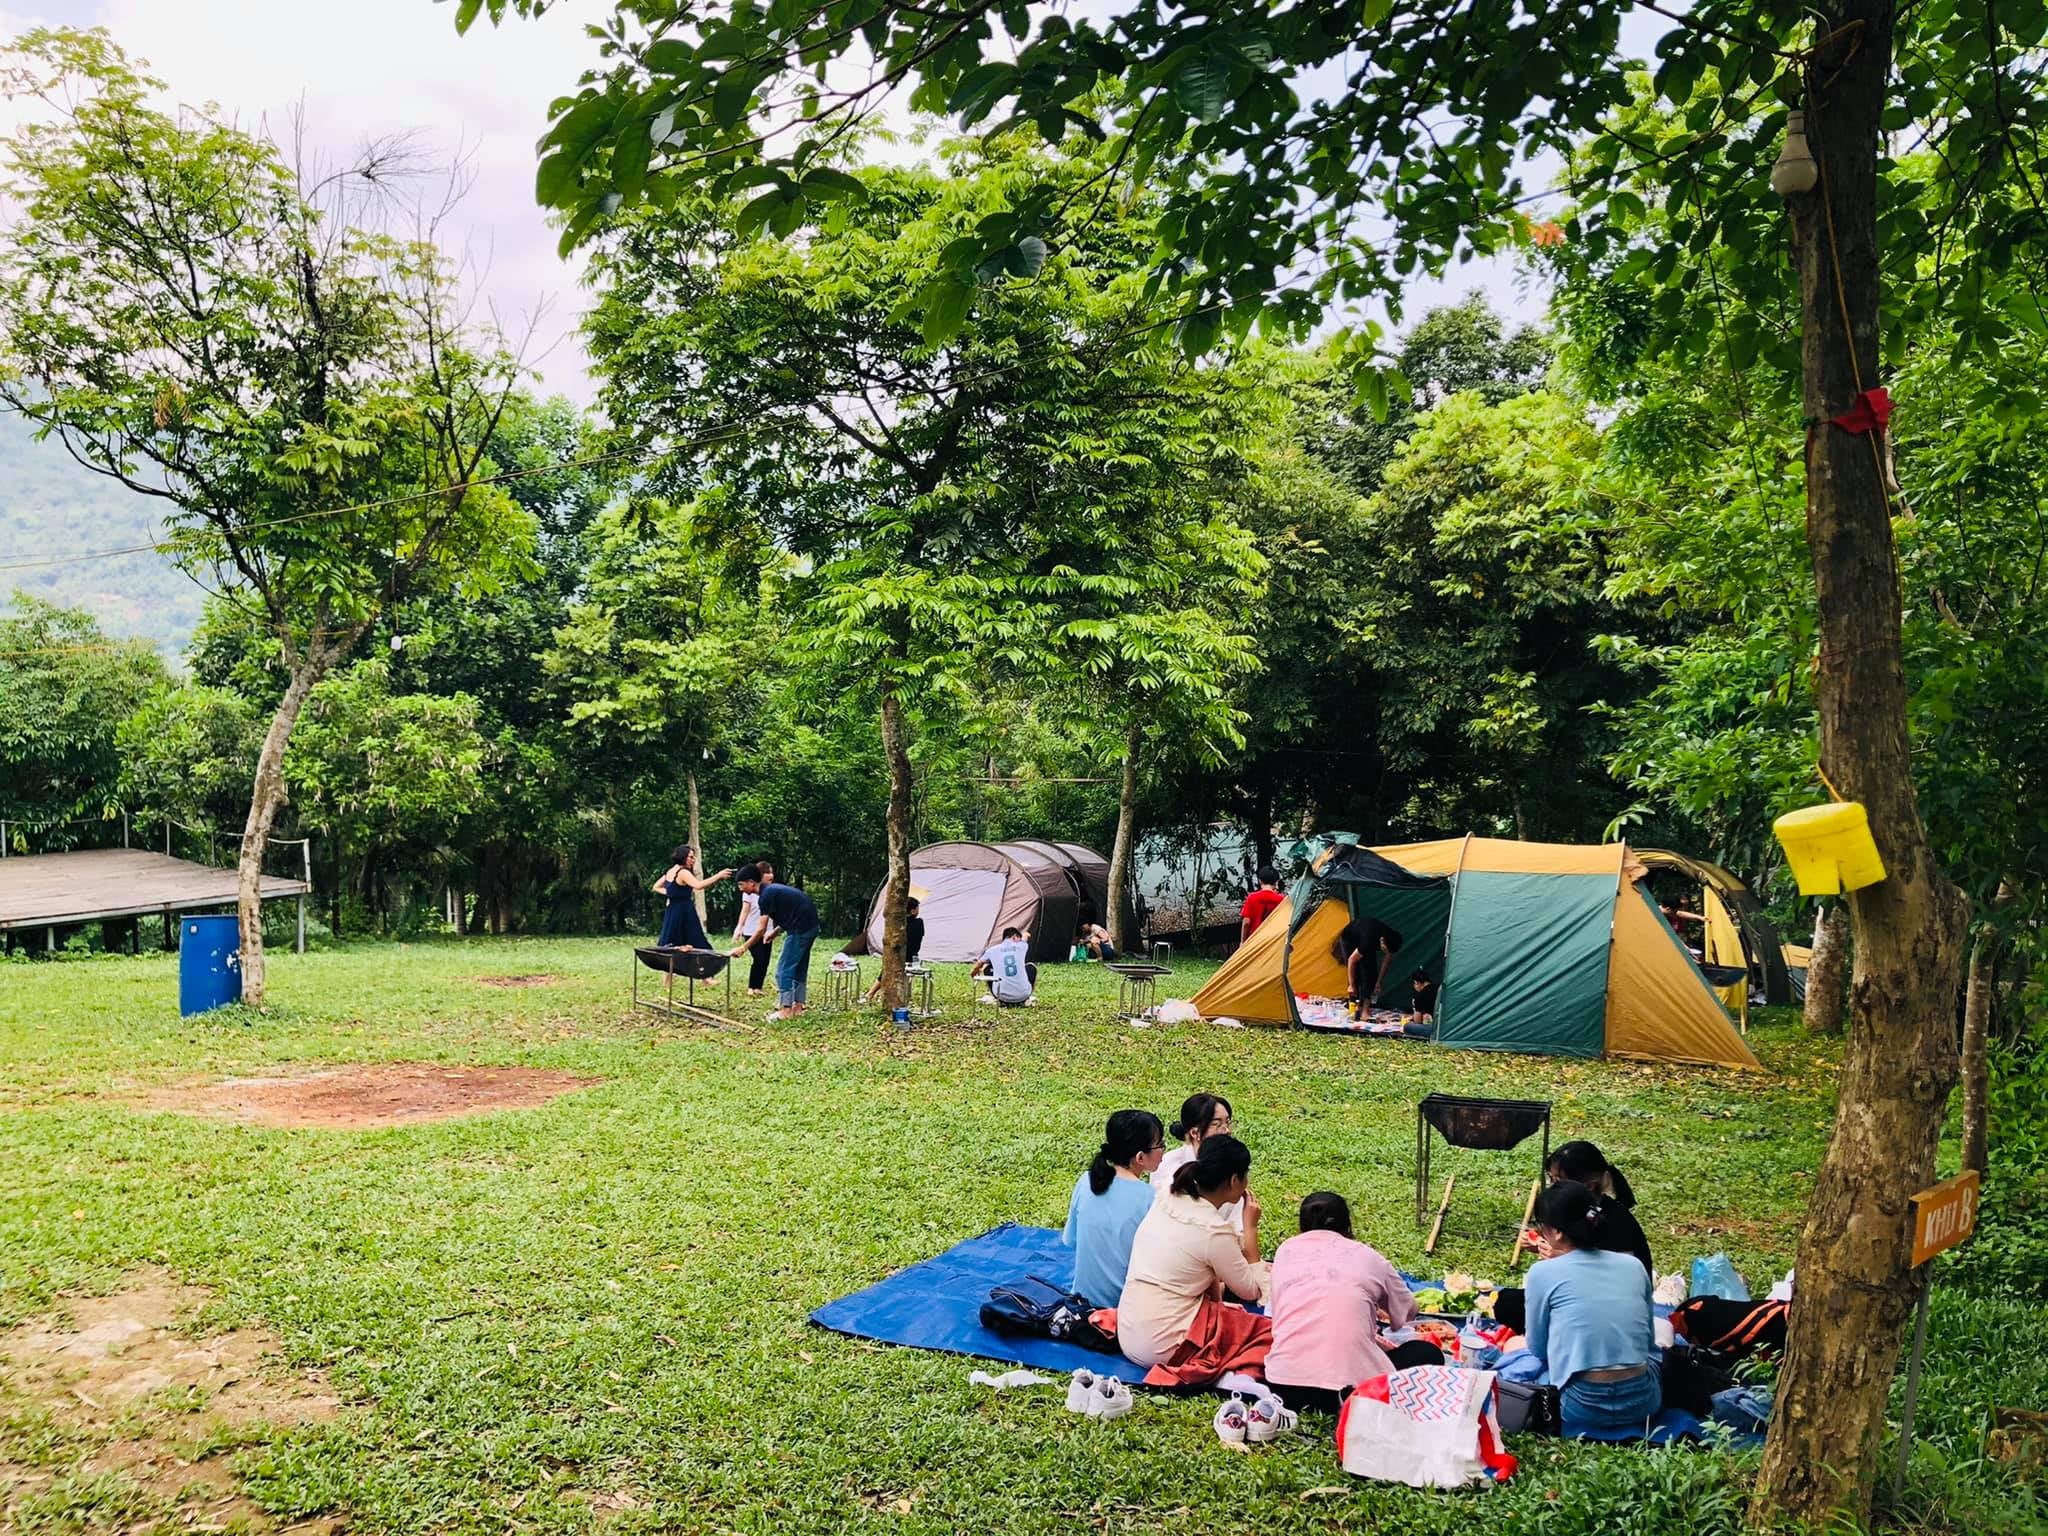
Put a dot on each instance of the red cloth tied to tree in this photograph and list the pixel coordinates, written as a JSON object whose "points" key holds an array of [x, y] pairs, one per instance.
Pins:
{"points": [[1869, 412]]}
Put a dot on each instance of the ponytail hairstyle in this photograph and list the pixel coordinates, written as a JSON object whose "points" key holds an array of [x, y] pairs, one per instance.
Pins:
{"points": [[1130, 1133], [1573, 1210], [1325, 1212], [1221, 1159], [681, 854], [1196, 1111], [1582, 1163]]}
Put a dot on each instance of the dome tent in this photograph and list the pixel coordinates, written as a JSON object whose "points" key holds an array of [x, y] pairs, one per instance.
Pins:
{"points": [[1546, 948], [973, 891]]}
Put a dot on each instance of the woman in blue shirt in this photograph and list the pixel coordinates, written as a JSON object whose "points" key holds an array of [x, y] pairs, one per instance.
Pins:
{"points": [[1110, 1200], [1590, 1320]]}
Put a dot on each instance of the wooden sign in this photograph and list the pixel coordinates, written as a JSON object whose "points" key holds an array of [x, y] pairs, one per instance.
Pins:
{"points": [[1944, 1216]]}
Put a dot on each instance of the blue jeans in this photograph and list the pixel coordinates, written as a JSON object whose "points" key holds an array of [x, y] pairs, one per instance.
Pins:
{"points": [[793, 970], [1605, 1409]]}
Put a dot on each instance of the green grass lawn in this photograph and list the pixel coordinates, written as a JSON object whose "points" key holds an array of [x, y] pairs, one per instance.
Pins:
{"points": [[606, 1295]]}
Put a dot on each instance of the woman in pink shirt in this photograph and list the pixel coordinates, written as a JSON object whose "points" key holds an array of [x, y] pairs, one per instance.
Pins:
{"points": [[1328, 1294]]}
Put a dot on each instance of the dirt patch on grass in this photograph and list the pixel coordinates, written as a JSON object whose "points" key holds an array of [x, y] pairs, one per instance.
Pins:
{"points": [[536, 979], [353, 1098], [134, 1393]]}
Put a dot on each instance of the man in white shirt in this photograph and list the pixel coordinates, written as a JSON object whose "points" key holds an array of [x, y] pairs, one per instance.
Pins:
{"points": [[1012, 978]]}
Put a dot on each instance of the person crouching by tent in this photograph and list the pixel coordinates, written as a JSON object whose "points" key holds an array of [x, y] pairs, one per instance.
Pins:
{"points": [[913, 945], [681, 927], [790, 916], [1171, 1318], [1367, 947], [1012, 978], [1094, 939]]}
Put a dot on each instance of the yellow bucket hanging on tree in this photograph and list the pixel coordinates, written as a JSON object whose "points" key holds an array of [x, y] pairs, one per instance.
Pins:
{"points": [[1830, 848]]}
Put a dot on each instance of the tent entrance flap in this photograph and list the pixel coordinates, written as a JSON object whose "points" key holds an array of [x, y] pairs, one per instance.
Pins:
{"points": [[1422, 916]]}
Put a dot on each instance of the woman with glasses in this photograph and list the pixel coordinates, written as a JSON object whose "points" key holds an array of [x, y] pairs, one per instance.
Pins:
{"points": [[1201, 1115], [1110, 1200]]}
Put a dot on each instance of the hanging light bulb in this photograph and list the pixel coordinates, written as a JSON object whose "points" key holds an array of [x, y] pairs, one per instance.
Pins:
{"points": [[1795, 170]]}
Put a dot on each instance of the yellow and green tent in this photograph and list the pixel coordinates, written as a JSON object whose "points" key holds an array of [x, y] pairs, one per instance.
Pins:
{"points": [[1549, 948]]}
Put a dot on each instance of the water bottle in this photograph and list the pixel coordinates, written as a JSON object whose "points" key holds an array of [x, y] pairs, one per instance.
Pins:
{"points": [[900, 1017]]}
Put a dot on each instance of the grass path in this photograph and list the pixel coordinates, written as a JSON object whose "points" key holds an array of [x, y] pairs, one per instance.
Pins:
{"points": [[592, 1312]]}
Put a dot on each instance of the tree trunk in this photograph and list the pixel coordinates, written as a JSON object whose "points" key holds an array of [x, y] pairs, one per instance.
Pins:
{"points": [[1983, 980], [697, 842], [1827, 980], [266, 796], [896, 903], [1121, 852], [1856, 1290]]}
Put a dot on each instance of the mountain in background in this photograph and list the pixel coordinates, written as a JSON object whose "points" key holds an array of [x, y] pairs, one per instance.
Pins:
{"points": [[50, 507]]}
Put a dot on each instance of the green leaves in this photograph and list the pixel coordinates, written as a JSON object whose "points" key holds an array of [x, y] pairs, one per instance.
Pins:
{"points": [[946, 301], [1201, 87]]}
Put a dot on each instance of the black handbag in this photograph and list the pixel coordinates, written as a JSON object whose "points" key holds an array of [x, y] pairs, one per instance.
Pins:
{"points": [[1035, 1308], [1527, 1408]]}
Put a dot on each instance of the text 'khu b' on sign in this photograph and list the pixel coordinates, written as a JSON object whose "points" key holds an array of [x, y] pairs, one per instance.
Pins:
{"points": [[1944, 1216]]}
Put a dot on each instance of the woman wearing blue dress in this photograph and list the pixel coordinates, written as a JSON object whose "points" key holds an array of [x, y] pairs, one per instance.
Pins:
{"points": [[681, 927]]}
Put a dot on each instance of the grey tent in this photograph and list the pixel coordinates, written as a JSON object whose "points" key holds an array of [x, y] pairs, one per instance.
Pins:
{"points": [[973, 891]]}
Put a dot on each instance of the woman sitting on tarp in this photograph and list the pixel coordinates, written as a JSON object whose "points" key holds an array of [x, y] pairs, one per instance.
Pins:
{"points": [[1173, 1318], [1616, 1229], [1591, 1321], [1330, 1292], [1111, 1200]]}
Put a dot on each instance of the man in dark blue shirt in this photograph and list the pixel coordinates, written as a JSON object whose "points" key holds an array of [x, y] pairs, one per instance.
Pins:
{"points": [[793, 918]]}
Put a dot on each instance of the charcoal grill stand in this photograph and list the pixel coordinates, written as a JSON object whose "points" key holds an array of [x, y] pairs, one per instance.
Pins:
{"points": [[1484, 1125], [694, 965]]}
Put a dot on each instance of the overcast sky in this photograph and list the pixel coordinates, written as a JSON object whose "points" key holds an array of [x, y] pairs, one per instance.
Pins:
{"points": [[370, 67], [364, 68]]}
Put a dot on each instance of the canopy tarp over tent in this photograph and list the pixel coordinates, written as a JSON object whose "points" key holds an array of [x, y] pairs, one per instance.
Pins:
{"points": [[973, 891], [1542, 947]]}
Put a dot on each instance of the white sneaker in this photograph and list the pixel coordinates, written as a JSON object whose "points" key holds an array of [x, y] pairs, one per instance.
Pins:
{"points": [[1081, 1397], [1231, 1422], [1112, 1399], [1268, 1420]]}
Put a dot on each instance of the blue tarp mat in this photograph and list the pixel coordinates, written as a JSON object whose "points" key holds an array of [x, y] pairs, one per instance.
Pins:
{"points": [[937, 1304]]}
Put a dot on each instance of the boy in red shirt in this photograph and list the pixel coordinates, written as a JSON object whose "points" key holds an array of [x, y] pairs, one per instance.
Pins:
{"points": [[1260, 904]]}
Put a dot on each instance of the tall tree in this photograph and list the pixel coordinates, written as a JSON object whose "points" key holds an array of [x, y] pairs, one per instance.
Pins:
{"points": [[1029, 496], [1415, 161], [190, 314], [654, 654]]}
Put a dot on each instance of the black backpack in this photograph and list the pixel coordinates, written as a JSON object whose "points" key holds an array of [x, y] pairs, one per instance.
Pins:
{"points": [[1732, 1330], [1035, 1308]]}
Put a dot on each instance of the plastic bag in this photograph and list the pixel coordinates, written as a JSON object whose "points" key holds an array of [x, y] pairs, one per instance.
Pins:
{"points": [[1716, 1275]]}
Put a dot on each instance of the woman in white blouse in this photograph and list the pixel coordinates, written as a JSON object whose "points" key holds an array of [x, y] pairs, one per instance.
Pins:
{"points": [[1172, 1317]]}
